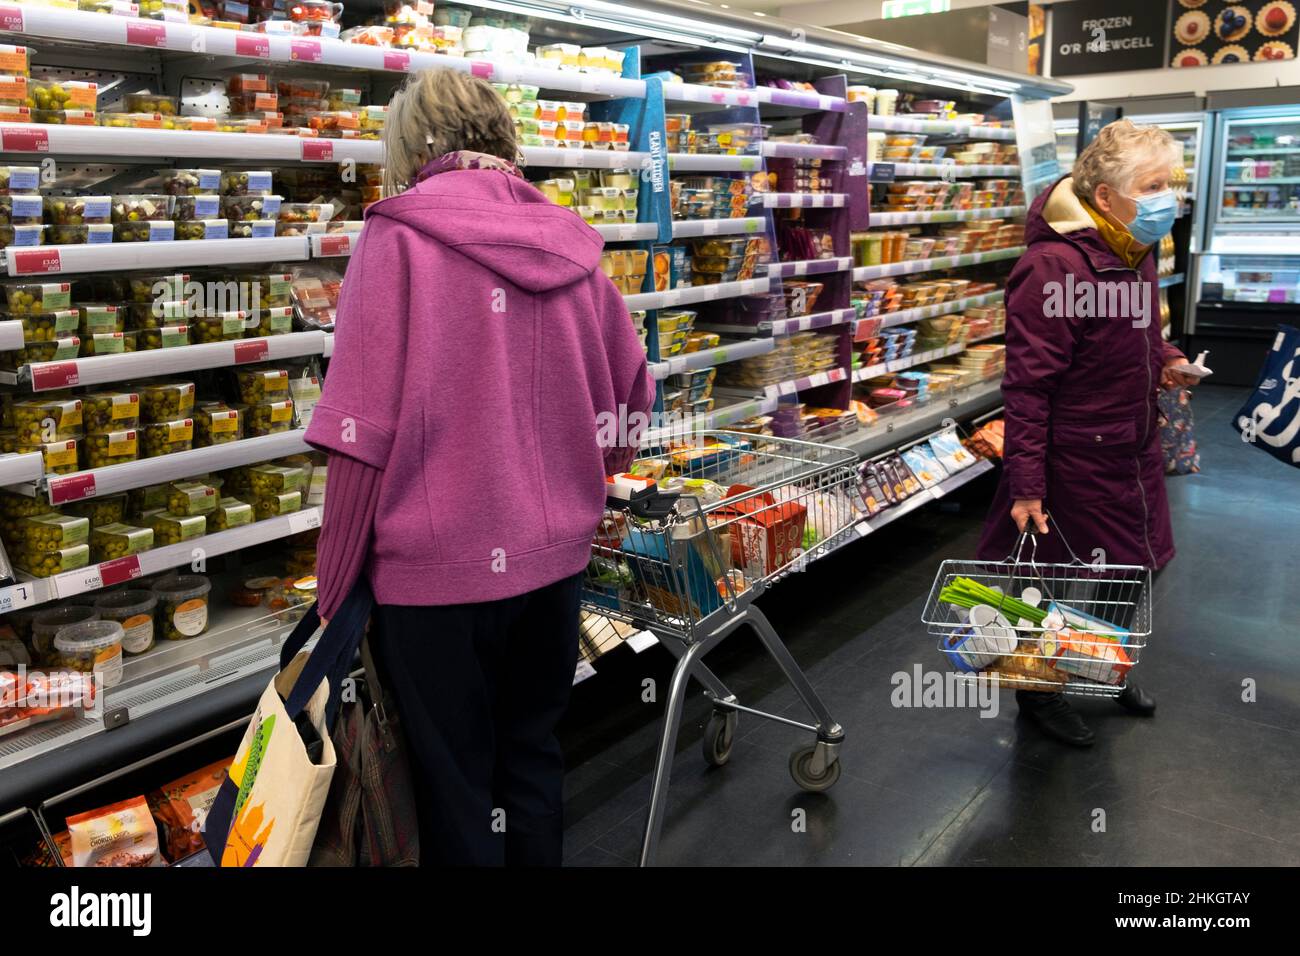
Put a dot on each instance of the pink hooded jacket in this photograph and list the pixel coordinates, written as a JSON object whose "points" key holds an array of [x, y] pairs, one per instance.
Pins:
{"points": [[477, 345]]}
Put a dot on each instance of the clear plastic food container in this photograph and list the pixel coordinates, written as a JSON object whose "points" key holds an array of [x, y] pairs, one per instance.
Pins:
{"points": [[262, 384], [299, 212], [59, 350], [291, 88], [151, 103], [253, 229], [343, 98], [188, 498], [197, 206], [133, 610], [151, 230], [20, 236], [21, 210], [108, 343], [63, 94], [141, 208], [47, 623], [192, 182], [19, 179], [101, 317], [112, 541], [273, 505], [267, 289], [268, 418], [110, 411], [94, 234], [111, 448], [259, 102], [250, 207], [92, 647], [98, 511], [217, 424], [200, 229], [44, 564], [138, 120], [248, 83], [277, 320], [166, 401], [163, 337], [50, 531], [182, 606], [173, 529], [226, 327], [152, 315], [15, 60], [274, 479], [246, 183], [78, 210], [46, 326], [176, 11], [230, 513], [64, 117], [168, 437], [38, 419]]}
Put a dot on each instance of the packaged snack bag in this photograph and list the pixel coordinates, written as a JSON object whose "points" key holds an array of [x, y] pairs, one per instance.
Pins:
{"points": [[122, 834]]}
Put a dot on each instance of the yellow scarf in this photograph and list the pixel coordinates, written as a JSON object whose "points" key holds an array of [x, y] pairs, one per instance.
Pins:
{"points": [[1121, 241]]}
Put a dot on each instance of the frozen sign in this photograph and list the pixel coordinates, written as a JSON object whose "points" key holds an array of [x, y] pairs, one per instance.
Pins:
{"points": [[1104, 36]]}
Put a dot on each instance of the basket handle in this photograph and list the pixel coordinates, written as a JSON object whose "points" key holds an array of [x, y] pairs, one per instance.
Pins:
{"points": [[1014, 557]]}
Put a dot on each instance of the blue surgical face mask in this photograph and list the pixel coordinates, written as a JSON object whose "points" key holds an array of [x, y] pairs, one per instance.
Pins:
{"points": [[1155, 216]]}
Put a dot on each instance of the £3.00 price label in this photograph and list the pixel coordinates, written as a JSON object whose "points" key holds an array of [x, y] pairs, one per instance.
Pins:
{"points": [[30, 262], [11, 19], [254, 350], [249, 44], [24, 139], [336, 245], [72, 488], [120, 570], [147, 34], [317, 150], [51, 375], [397, 62]]}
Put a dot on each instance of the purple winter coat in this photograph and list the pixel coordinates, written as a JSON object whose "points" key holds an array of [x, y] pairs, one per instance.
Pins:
{"points": [[1082, 421]]}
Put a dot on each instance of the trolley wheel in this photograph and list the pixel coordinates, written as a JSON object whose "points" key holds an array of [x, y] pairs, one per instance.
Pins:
{"points": [[801, 771], [719, 735]]}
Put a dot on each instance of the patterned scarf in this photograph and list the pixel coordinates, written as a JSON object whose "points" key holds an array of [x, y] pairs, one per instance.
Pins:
{"points": [[1121, 241], [466, 159]]}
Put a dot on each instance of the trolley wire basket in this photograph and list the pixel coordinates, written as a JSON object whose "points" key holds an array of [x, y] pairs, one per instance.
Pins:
{"points": [[1073, 628], [729, 514]]}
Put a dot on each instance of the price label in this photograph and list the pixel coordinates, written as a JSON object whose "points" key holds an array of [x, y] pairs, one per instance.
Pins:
{"points": [[626, 232], [862, 528], [742, 99], [710, 293], [339, 245], [397, 62], [801, 268], [576, 157], [78, 582], [20, 139], [481, 69], [13, 598], [937, 491], [254, 350], [301, 521], [306, 51], [120, 570], [671, 297], [37, 262], [317, 150], [588, 83], [583, 671], [787, 388], [54, 375], [250, 44], [144, 33], [709, 227], [72, 488], [11, 19], [717, 96]]}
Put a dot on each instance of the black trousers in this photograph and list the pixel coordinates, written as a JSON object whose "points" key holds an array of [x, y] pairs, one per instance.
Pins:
{"points": [[479, 690]]}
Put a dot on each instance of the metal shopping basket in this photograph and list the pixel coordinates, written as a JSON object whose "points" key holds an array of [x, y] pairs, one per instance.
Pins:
{"points": [[731, 514], [1074, 628]]}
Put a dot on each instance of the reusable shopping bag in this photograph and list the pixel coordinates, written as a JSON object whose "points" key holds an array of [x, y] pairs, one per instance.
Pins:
{"points": [[1177, 440], [370, 817], [267, 811], [1270, 419]]}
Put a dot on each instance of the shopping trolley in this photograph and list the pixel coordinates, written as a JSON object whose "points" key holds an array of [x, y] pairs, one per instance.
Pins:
{"points": [[730, 515], [1074, 628]]}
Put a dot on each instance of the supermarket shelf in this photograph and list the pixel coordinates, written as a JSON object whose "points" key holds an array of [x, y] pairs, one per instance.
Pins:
{"points": [[583, 158], [941, 262], [944, 215], [903, 316], [1167, 281], [1262, 151], [718, 418], [803, 151], [711, 95], [698, 293], [803, 323], [49, 376], [17, 469], [950, 170], [900, 427], [804, 200], [629, 232], [1255, 183], [97, 482], [11, 335], [904, 124], [188, 144], [731, 352], [986, 338], [923, 497], [117, 256], [803, 384], [695, 228], [910, 361], [712, 162], [188, 40], [809, 267]]}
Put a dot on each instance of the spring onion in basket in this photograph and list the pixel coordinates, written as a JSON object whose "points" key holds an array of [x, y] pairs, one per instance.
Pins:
{"points": [[963, 592]]}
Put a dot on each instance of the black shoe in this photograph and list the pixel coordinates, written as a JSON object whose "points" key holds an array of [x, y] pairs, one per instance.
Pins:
{"points": [[1055, 717], [1137, 701]]}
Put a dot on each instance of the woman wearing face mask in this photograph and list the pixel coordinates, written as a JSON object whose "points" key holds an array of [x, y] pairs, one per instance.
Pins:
{"points": [[1084, 364]]}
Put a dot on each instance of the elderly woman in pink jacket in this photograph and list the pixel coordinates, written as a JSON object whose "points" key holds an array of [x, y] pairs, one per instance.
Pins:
{"points": [[479, 350]]}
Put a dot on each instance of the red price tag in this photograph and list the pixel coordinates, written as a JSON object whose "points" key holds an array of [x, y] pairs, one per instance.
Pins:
{"points": [[11, 19], [308, 51], [742, 99], [254, 350], [54, 375], [120, 569], [317, 150], [398, 62], [20, 139], [479, 68], [247, 44], [72, 488], [145, 33], [718, 97], [335, 245], [36, 261]]}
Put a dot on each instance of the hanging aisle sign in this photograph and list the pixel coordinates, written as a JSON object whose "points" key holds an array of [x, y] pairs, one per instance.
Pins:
{"points": [[1107, 36]]}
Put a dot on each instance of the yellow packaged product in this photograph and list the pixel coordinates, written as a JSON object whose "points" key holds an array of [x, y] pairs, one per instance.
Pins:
{"points": [[110, 509], [110, 411], [167, 438], [60, 456], [47, 419], [268, 418], [44, 564], [166, 401], [216, 424], [274, 479], [111, 448], [188, 498], [49, 531], [270, 506], [230, 513], [111, 541], [171, 529]]}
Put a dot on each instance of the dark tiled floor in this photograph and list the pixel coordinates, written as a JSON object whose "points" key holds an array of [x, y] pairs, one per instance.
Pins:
{"points": [[1211, 780]]}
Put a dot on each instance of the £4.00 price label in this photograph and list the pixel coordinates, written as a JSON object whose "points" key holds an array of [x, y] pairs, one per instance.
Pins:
{"points": [[80, 581], [301, 521]]}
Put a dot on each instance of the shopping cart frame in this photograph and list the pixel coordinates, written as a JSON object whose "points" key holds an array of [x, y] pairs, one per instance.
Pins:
{"points": [[816, 468]]}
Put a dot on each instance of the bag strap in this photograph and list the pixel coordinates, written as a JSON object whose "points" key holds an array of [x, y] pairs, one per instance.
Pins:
{"points": [[331, 658], [378, 698]]}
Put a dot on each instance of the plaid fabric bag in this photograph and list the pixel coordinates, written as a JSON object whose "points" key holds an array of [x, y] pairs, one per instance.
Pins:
{"points": [[369, 817]]}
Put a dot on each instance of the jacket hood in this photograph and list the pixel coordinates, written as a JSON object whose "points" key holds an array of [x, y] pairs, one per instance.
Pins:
{"points": [[1057, 213], [501, 222]]}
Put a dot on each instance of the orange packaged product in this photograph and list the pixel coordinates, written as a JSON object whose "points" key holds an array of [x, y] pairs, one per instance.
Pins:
{"points": [[179, 808], [248, 83], [122, 834]]}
